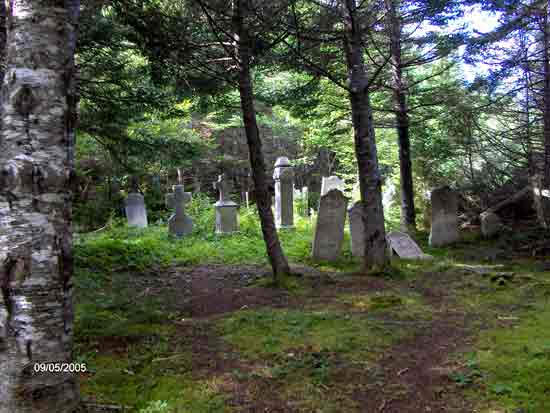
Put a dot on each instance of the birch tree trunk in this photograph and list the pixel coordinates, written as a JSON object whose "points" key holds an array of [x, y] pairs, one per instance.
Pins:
{"points": [[36, 150], [408, 215], [370, 181], [275, 252]]}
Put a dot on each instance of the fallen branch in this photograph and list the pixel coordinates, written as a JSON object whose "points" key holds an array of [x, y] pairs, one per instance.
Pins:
{"points": [[508, 201]]}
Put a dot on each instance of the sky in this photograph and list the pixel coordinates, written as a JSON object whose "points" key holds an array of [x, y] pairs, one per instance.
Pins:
{"points": [[477, 20]]}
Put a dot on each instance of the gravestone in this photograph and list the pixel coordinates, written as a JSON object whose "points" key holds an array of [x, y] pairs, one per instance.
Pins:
{"points": [[136, 213], [357, 229], [444, 224], [402, 245], [329, 231], [490, 224], [179, 224], [305, 200], [226, 209], [284, 193], [332, 182]]}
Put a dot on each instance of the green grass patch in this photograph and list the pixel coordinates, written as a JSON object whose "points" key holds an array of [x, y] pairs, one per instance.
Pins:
{"points": [[268, 332], [515, 364]]}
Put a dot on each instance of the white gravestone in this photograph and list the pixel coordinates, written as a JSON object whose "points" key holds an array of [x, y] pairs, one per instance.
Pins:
{"points": [[402, 245], [357, 229], [329, 183], [444, 225], [179, 224], [135, 210], [226, 209], [284, 193], [329, 231]]}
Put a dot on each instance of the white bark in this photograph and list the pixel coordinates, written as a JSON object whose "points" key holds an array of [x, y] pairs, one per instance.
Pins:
{"points": [[36, 146]]}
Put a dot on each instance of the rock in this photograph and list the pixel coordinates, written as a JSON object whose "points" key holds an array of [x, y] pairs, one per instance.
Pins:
{"points": [[490, 224]]}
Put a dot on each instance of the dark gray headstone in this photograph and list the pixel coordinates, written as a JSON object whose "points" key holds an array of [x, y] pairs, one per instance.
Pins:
{"points": [[284, 193], [329, 231]]}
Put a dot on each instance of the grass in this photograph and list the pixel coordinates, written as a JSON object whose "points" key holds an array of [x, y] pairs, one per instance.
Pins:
{"points": [[316, 357]]}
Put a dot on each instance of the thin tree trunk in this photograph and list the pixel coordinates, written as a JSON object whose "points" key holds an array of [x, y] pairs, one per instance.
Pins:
{"points": [[36, 149], [370, 181], [408, 215], [275, 252], [546, 100]]}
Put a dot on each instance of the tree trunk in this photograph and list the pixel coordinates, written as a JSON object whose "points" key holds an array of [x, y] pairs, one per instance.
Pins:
{"points": [[275, 252], [36, 149], [408, 215], [546, 99], [370, 181]]}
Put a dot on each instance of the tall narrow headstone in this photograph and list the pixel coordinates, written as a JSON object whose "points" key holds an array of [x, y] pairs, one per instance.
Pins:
{"points": [[357, 229], [332, 182], [444, 225], [179, 224], [134, 206], [284, 193], [305, 200], [329, 231], [226, 209]]}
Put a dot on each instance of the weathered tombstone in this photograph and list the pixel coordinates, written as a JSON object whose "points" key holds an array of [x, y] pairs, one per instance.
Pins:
{"points": [[179, 224], [331, 182], [226, 210], [329, 231], [402, 245], [284, 193], [357, 229], [305, 200], [136, 213], [490, 224], [444, 225], [134, 205]]}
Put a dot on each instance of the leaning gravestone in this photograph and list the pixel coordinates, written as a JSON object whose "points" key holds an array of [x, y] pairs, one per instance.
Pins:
{"points": [[284, 193], [403, 246], [179, 224], [135, 210], [444, 225], [331, 182], [329, 231], [357, 229], [226, 209]]}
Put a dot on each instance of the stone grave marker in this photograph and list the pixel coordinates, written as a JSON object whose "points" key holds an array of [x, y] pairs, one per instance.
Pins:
{"points": [[357, 229], [444, 225], [179, 224], [331, 182], [136, 212], [329, 230], [226, 209], [284, 193], [402, 245]]}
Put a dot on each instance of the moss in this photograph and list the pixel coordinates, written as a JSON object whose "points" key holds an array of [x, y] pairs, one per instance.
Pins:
{"points": [[524, 351], [265, 333]]}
